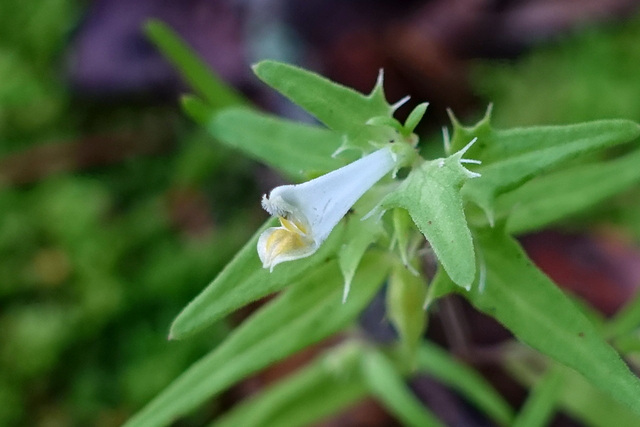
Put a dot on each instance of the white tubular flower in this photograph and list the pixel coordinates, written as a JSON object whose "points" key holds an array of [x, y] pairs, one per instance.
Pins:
{"points": [[309, 211]]}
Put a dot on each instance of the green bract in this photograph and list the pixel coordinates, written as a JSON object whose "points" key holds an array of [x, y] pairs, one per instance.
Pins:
{"points": [[460, 211]]}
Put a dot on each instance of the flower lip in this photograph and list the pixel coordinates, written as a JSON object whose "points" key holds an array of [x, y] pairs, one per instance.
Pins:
{"points": [[279, 244]]}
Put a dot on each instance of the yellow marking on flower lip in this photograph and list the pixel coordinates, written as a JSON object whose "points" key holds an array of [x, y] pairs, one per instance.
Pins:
{"points": [[293, 226], [283, 241]]}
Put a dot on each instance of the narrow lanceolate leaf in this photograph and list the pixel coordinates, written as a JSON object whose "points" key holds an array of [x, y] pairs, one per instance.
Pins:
{"points": [[296, 149], [496, 145], [541, 403], [338, 107], [330, 383], [592, 406], [306, 313], [197, 73], [523, 299], [359, 235], [244, 280], [501, 144], [552, 197], [576, 396], [388, 386], [431, 195], [415, 117], [515, 156], [441, 365]]}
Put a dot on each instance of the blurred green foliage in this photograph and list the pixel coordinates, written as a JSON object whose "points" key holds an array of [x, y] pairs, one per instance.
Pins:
{"points": [[33, 100], [97, 258], [591, 74]]}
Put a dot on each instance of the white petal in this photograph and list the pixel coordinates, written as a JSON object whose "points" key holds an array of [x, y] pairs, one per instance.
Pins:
{"points": [[318, 205]]}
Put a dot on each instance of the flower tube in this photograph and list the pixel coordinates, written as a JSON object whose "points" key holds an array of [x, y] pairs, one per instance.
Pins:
{"points": [[309, 211]]}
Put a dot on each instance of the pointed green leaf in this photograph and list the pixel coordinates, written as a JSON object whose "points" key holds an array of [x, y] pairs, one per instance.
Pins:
{"points": [[463, 134], [552, 197], [441, 365], [591, 406], [388, 386], [359, 235], [306, 313], [244, 280], [415, 117], [194, 70], [523, 299], [431, 195], [330, 383], [540, 405], [577, 397], [338, 107], [501, 144], [512, 157], [293, 148]]}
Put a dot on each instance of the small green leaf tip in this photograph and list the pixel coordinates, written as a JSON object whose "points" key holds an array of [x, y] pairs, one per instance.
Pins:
{"points": [[462, 134], [414, 117]]}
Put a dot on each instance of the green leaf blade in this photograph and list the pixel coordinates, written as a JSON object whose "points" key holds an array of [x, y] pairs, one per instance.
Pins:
{"points": [[441, 365], [524, 300], [415, 117], [512, 157], [306, 313], [388, 386], [359, 235], [195, 71], [338, 107], [431, 196], [540, 405], [327, 385], [244, 280], [552, 197], [577, 397], [293, 148], [502, 144]]}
